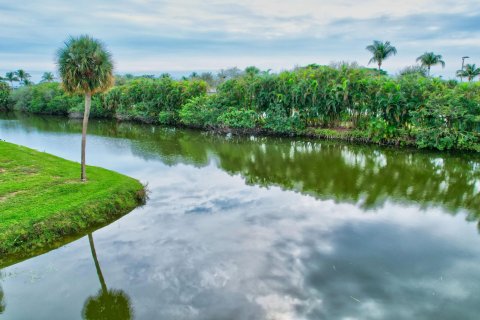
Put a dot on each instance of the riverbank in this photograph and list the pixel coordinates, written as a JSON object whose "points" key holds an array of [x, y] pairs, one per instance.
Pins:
{"points": [[43, 200], [350, 104]]}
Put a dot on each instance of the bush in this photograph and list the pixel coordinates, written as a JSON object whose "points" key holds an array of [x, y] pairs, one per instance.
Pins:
{"points": [[238, 118], [278, 121], [5, 102], [200, 112]]}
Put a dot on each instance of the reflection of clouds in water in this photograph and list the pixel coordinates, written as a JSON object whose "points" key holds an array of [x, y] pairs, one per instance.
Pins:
{"points": [[268, 254], [280, 255]]}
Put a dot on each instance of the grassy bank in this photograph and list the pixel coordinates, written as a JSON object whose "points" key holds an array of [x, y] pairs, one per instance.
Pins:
{"points": [[43, 202]]}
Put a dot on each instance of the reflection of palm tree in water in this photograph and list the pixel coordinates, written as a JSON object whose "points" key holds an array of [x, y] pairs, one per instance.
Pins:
{"points": [[2, 299], [107, 304]]}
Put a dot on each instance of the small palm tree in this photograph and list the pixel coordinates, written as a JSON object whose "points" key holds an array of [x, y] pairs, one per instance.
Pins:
{"points": [[470, 72], [381, 51], [23, 76], [85, 67], [429, 59], [48, 77], [252, 71], [11, 77]]}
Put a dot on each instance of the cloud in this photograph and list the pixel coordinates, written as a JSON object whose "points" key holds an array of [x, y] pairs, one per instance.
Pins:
{"points": [[169, 35]]}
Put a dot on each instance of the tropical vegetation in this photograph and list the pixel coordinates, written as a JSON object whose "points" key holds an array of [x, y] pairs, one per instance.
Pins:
{"points": [[340, 101]]}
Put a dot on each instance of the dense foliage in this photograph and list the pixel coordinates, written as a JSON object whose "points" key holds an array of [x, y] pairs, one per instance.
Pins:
{"points": [[340, 101], [4, 96]]}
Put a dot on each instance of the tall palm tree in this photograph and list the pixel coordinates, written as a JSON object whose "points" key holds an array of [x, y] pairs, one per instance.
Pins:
{"points": [[470, 72], [429, 59], [11, 77], [85, 67], [48, 77], [381, 51], [23, 76], [107, 304]]}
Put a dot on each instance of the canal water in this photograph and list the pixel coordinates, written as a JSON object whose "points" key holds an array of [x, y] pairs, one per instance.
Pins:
{"points": [[257, 228]]}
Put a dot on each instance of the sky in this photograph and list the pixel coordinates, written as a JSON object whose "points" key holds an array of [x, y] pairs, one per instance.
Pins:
{"points": [[181, 36]]}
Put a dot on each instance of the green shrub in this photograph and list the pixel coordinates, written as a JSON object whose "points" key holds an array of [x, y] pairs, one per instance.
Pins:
{"points": [[238, 118], [5, 101], [167, 117], [278, 121], [200, 112]]}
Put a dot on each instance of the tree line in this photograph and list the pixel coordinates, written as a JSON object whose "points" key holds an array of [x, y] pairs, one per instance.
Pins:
{"points": [[343, 100]]}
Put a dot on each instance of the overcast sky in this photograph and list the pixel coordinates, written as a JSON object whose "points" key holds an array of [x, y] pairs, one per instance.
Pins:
{"points": [[180, 36]]}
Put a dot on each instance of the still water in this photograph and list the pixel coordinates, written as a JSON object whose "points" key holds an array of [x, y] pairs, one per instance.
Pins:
{"points": [[258, 228]]}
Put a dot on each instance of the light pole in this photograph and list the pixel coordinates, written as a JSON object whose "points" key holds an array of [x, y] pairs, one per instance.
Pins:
{"points": [[463, 65]]}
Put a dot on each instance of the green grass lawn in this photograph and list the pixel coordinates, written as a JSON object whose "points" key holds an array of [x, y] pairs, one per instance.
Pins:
{"points": [[43, 202]]}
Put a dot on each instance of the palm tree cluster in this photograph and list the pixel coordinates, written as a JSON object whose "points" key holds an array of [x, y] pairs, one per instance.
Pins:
{"points": [[470, 72], [383, 50], [20, 76]]}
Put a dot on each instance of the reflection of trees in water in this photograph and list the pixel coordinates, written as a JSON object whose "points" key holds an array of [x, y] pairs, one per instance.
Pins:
{"points": [[343, 172], [106, 304]]}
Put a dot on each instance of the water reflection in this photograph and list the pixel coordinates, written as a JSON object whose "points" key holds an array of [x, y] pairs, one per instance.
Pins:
{"points": [[363, 175], [2, 298], [107, 303], [296, 243]]}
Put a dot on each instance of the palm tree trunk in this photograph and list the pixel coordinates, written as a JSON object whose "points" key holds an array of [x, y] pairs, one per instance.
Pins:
{"points": [[379, 66], [428, 72], [97, 265], [88, 102]]}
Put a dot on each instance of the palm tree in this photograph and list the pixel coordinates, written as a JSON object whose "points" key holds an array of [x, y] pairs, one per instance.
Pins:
{"points": [[429, 59], [48, 77], [85, 67], [470, 72], [107, 304], [252, 71], [381, 51], [11, 77], [23, 76]]}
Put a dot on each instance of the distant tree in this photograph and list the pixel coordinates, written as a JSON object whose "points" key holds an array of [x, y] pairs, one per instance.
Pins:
{"points": [[166, 75], [28, 82], [193, 75], [418, 70], [209, 78], [252, 71], [85, 67], [339, 65], [429, 59], [470, 72], [23, 76], [381, 51], [11, 77], [48, 77]]}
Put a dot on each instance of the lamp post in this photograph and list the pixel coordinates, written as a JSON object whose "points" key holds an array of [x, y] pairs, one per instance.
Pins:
{"points": [[463, 65]]}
